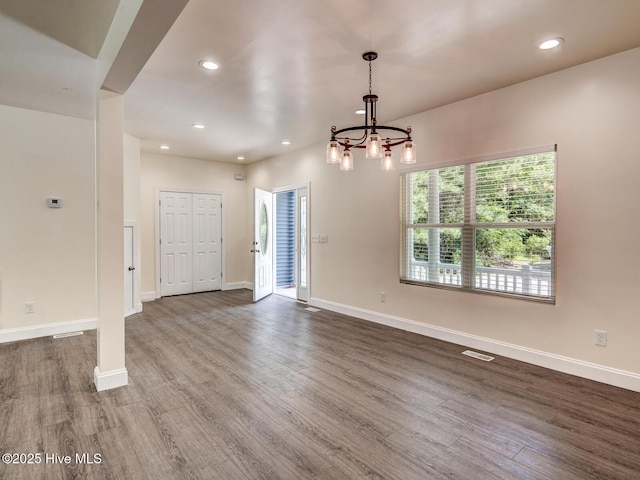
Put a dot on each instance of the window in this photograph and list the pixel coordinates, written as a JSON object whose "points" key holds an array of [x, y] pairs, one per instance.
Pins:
{"points": [[485, 226]]}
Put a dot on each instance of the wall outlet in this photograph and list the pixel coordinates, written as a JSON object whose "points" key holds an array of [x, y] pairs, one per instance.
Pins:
{"points": [[383, 297], [30, 307], [600, 338]]}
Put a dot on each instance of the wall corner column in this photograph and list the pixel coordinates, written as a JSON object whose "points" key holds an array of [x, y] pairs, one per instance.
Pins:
{"points": [[110, 371]]}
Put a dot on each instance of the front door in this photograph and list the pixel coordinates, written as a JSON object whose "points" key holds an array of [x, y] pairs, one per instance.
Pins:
{"points": [[262, 244]]}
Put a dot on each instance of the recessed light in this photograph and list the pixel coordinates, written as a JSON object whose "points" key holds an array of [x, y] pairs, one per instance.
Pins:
{"points": [[360, 111], [286, 142], [240, 157], [550, 43], [208, 65], [197, 125], [164, 147]]}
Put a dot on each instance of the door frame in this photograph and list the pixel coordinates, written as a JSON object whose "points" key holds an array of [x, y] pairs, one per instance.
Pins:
{"points": [[288, 188], [156, 242], [136, 263]]}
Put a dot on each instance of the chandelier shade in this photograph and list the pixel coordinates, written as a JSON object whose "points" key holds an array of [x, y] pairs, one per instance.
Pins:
{"points": [[346, 163], [375, 139], [387, 162], [374, 148], [408, 153], [333, 152]]}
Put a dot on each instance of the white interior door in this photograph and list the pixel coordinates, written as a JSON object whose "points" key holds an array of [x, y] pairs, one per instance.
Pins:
{"points": [[262, 244], [176, 243], [207, 237], [129, 268], [302, 240]]}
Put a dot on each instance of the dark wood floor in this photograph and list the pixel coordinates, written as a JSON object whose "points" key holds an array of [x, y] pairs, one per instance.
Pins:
{"points": [[221, 388]]}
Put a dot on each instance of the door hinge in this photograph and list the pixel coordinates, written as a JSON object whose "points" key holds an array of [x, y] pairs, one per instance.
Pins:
{"points": [[160, 279]]}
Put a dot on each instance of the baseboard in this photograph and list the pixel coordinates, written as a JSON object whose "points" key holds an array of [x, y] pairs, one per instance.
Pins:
{"points": [[108, 380], [591, 371], [148, 296], [137, 309], [237, 286], [151, 296], [25, 333]]}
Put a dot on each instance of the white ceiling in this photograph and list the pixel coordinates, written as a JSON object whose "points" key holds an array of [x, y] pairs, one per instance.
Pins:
{"points": [[292, 68], [48, 53]]}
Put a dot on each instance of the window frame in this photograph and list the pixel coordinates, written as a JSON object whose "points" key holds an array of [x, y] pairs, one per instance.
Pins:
{"points": [[469, 227]]}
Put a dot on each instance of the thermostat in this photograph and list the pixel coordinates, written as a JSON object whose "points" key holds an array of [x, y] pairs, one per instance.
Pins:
{"points": [[54, 202]]}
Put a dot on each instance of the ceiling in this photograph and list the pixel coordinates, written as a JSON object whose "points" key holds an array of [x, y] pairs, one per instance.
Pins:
{"points": [[48, 51], [289, 69]]}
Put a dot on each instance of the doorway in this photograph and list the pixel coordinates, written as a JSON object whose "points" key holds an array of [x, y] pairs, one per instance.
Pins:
{"points": [[284, 224], [285, 242]]}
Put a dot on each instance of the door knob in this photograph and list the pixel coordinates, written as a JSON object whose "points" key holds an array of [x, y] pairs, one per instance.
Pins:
{"points": [[255, 251], [132, 268]]}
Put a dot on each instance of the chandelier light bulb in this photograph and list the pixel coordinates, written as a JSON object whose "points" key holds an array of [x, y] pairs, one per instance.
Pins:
{"points": [[333, 152], [387, 162], [408, 153], [346, 165]]}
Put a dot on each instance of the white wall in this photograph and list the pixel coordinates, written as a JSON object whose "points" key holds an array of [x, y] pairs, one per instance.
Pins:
{"points": [[131, 178], [131, 188], [167, 171], [46, 255], [591, 112]]}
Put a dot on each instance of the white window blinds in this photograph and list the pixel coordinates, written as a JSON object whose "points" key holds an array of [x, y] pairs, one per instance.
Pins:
{"points": [[487, 226]]}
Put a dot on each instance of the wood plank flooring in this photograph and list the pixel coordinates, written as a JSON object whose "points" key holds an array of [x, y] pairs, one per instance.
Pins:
{"points": [[221, 388]]}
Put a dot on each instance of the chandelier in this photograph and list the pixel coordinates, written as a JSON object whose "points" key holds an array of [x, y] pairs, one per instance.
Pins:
{"points": [[377, 140]]}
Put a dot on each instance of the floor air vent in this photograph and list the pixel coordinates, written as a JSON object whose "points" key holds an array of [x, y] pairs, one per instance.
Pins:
{"points": [[70, 334], [479, 356]]}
